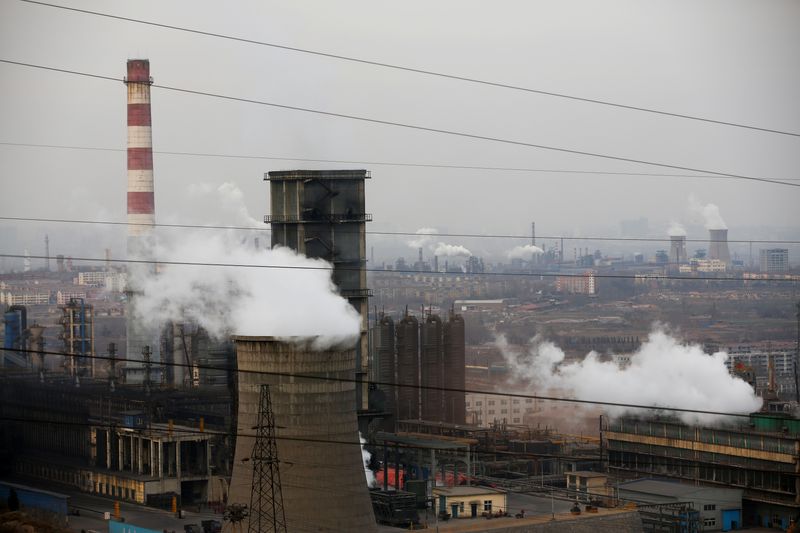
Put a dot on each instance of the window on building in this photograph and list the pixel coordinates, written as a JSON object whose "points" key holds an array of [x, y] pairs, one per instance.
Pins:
{"points": [[516, 420], [528, 400], [710, 507], [504, 411], [515, 402], [491, 411], [461, 507], [709, 522], [490, 402], [478, 402], [503, 402], [487, 505]]}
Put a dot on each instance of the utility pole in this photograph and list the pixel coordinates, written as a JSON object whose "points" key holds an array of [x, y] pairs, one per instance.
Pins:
{"points": [[266, 497]]}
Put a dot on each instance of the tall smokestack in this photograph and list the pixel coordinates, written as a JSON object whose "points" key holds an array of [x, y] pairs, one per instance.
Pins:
{"points": [[718, 247], [141, 202]]}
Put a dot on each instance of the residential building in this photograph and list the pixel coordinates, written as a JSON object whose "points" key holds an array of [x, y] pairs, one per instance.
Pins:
{"points": [[774, 260]]}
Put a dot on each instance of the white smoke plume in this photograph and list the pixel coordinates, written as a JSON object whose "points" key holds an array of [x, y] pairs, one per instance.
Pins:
{"points": [[451, 250], [709, 212], [263, 298], [525, 252], [365, 457], [224, 202], [425, 238], [664, 372], [676, 229]]}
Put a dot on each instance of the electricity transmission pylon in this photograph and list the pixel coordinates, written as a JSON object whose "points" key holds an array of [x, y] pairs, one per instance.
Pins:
{"points": [[266, 498]]}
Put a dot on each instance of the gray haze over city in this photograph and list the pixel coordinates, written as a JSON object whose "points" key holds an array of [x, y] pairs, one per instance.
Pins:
{"points": [[729, 61]]}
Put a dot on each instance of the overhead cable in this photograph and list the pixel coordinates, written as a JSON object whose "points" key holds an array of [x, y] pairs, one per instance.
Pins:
{"points": [[414, 70], [453, 133]]}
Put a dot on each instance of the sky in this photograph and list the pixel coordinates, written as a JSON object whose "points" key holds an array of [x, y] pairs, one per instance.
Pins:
{"points": [[734, 61]]}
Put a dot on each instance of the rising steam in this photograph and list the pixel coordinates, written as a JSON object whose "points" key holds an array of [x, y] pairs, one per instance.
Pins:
{"points": [[663, 372], [709, 212], [525, 252], [676, 229], [278, 293], [451, 250], [425, 237]]}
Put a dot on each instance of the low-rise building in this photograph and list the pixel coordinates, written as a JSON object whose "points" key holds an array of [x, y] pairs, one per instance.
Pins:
{"points": [[588, 486], [469, 501], [720, 508]]}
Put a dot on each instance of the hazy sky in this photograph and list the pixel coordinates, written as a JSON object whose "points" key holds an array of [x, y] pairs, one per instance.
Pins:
{"points": [[727, 60]]}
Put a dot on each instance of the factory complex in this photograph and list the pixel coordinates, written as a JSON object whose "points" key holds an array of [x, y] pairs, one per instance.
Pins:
{"points": [[435, 411]]}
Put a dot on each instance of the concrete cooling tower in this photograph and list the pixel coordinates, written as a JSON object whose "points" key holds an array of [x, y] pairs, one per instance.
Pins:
{"points": [[718, 245], [323, 483]]}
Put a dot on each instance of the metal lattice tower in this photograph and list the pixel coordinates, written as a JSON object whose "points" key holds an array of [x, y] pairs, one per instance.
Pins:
{"points": [[266, 497]]}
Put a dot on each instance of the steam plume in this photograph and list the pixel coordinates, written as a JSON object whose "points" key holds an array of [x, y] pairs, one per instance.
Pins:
{"points": [[366, 457], [676, 230], [664, 372], [451, 250], [525, 252], [424, 238], [709, 212], [262, 299]]}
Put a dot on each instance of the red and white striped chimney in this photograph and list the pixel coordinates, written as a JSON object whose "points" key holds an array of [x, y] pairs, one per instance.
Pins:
{"points": [[141, 203]]}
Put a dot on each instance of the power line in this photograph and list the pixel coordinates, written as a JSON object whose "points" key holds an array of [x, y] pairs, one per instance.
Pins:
{"points": [[393, 384], [395, 271], [415, 127], [399, 233], [417, 70], [381, 163]]}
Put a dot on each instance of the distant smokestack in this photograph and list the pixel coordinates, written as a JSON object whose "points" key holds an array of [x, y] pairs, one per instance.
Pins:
{"points": [[718, 247], [141, 204], [677, 252]]}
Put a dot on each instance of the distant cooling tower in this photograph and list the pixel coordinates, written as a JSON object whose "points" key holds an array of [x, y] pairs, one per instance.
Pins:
{"points": [[323, 483], [718, 247], [677, 250]]}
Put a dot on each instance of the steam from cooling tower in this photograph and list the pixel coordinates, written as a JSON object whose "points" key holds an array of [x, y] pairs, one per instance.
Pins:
{"points": [[424, 239], [709, 212], [451, 250], [366, 457], [676, 229], [279, 293], [663, 372], [525, 252]]}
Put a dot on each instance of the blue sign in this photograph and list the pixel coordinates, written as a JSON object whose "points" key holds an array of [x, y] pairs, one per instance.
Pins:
{"points": [[122, 527]]}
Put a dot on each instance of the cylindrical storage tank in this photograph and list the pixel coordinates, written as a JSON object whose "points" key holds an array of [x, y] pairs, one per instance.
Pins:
{"points": [[323, 483], [386, 365], [454, 373], [408, 369], [432, 369]]}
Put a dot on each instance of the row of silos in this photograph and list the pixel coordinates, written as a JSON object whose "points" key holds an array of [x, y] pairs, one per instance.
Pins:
{"points": [[421, 368]]}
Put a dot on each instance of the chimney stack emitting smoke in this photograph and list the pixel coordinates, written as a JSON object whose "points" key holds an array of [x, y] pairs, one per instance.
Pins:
{"points": [[141, 204]]}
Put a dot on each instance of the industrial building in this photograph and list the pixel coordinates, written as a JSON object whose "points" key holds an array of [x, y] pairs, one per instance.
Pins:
{"points": [[758, 456], [677, 249], [719, 509], [322, 214], [426, 360], [316, 432], [718, 245], [774, 260]]}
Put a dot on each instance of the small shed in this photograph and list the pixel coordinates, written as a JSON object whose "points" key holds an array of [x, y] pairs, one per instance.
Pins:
{"points": [[470, 502], [587, 486]]}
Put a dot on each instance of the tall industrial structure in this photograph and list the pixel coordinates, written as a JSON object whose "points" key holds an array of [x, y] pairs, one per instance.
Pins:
{"points": [[455, 410], [384, 343], [77, 323], [141, 201], [321, 214], [432, 368], [677, 249], [718, 245], [316, 431], [407, 368]]}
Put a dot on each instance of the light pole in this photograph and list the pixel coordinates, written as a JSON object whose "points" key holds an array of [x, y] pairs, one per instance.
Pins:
{"points": [[552, 506]]}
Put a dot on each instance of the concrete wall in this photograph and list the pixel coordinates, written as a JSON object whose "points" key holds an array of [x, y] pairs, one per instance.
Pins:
{"points": [[324, 487], [616, 523]]}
